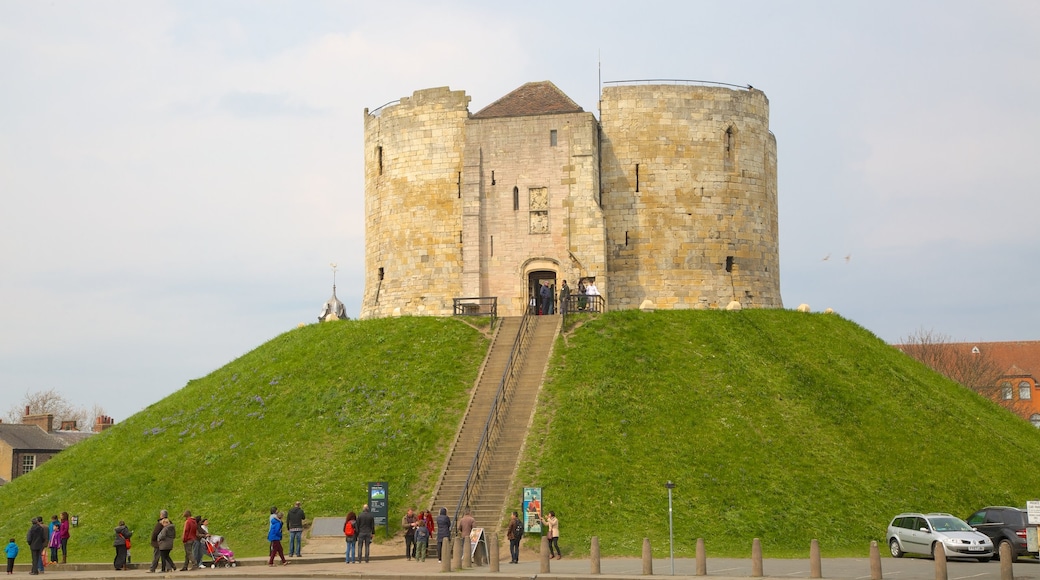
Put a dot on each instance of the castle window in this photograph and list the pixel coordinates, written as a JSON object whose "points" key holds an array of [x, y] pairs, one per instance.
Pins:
{"points": [[729, 263], [380, 273], [492, 245], [729, 140], [492, 177], [637, 177], [516, 198], [539, 204], [1035, 419], [552, 137], [1025, 391], [1006, 392], [458, 185], [28, 463], [379, 155]]}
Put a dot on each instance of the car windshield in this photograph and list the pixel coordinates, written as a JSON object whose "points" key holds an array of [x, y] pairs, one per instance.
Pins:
{"points": [[949, 524]]}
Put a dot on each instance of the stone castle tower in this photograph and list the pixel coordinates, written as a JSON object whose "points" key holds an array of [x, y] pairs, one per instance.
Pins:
{"points": [[671, 197]]}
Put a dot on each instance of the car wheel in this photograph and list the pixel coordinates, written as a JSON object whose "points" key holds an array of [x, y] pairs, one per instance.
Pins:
{"points": [[893, 546]]}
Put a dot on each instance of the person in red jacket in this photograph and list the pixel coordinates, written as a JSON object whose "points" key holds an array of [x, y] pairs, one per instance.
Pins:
{"points": [[188, 538]]}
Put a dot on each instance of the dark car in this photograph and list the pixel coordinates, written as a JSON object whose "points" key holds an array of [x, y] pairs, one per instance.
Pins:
{"points": [[1003, 525]]}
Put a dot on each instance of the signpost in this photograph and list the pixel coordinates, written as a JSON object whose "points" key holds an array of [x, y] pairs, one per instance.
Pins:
{"points": [[532, 510], [1033, 518], [377, 499]]}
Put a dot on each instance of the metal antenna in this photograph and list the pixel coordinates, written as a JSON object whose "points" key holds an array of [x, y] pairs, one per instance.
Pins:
{"points": [[333, 265]]}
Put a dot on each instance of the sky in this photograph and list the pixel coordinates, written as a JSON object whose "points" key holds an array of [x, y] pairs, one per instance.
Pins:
{"points": [[177, 177]]}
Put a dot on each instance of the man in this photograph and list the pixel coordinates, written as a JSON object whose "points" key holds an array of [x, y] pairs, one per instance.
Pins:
{"points": [[565, 295], [36, 537], [546, 295], [295, 519], [366, 524], [466, 524], [514, 532], [408, 523], [163, 514], [188, 539]]}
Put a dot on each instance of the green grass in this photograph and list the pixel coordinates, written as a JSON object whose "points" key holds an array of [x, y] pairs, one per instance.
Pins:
{"points": [[773, 424], [313, 415]]}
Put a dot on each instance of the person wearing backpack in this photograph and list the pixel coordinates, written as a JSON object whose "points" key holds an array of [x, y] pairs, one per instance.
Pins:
{"points": [[515, 532], [350, 531]]}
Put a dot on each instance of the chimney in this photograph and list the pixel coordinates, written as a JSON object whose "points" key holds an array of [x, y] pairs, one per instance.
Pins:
{"points": [[45, 422], [103, 422], [68, 426]]}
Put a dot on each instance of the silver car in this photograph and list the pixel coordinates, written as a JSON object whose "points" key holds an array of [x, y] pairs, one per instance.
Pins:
{"points": [[920, 533]]}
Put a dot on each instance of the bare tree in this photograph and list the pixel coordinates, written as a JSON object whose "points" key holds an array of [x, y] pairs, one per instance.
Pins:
{"points": [[54, 403], [974, 369]]}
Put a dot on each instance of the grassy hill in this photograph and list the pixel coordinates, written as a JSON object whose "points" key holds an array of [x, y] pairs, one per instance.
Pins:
{"points": [[773, 424]]}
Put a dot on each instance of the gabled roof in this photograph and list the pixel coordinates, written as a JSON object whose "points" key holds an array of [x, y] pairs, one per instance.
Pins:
{"points": [[30, 438], [1015, 359], [539, 98]]}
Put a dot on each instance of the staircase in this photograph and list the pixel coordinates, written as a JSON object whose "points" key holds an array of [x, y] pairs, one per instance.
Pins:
{"points": [[490, 500]]}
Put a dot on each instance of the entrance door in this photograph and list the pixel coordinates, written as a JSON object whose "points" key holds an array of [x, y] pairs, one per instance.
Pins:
{"points": [[536, 303]]}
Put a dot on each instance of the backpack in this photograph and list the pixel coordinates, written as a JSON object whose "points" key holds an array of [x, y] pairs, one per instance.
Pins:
{"points": [[348, 528]]}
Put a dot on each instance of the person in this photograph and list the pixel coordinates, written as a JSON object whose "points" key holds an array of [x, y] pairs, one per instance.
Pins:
{"points": [[189, 537], [201, 533], [55, 537], [63, 530], [164, 542], [591, 290], [295, 524], [154, 540], [546, 295], [408, 522], [466, 524], [366, 525], [274, 535], [430, 526], [582, 297], [12, 552], [120, 543], [514, 532], [350, 531], [565, 295], [443, 531], [36, 537], [553, 533], [422, 541]]}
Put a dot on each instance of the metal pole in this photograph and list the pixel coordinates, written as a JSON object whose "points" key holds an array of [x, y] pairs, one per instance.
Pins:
{"points": [[671, 541]]}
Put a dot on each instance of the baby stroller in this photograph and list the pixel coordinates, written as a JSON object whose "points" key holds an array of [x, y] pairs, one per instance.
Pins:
{"points": [[218, 551]]}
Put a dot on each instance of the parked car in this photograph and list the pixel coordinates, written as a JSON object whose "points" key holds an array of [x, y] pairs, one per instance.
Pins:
{"points": [[920, 533], [1003, 525]]}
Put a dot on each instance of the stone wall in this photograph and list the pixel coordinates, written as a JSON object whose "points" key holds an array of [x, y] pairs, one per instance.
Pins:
{"points": [[689, 193]]}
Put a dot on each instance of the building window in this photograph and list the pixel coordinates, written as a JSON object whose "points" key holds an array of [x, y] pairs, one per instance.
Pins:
{"points": [[1006, 392], [28, 463], [1035, 420], [379, 155], [516, 198], [1025, 391], [552, 137]]}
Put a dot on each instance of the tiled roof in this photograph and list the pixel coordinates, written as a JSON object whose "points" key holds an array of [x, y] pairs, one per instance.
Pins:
{"points": [[1015, 359], [30, 438], [539, 98]]}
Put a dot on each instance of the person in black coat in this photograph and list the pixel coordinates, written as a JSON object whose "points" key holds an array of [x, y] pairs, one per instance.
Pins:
{"points": [[443, 530], [36, 537], [366, 528]]}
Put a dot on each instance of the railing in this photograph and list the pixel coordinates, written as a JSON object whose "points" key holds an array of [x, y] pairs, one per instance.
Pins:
{"points": [[477, 306], [675, 82], [581, 303], [496, 416]]}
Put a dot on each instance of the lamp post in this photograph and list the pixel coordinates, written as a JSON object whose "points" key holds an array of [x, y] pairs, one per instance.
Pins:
{"points": [[671, 542]]}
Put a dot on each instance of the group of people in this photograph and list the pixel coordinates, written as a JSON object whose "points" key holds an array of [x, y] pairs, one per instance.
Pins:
{"points": [[359, 528], [547, 294], [164, 534], [515, 533], [41, 535]]}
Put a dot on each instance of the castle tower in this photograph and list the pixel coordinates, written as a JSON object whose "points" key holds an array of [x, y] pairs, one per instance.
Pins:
{"points": [[690, 196]]}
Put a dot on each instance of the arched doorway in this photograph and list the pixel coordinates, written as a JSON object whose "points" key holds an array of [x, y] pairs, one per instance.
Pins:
{"points": [[536, 303]]}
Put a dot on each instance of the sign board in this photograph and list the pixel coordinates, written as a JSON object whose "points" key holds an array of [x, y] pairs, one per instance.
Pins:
{"points": [[1031, 543], [377, 502], [1033, 511], [532, 510]]}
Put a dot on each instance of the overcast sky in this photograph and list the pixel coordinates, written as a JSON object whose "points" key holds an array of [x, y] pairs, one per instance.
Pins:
{"points": [[176, 177]]}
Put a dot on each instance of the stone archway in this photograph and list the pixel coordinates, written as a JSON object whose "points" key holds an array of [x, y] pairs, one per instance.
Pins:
{"points": [[536, 304]]}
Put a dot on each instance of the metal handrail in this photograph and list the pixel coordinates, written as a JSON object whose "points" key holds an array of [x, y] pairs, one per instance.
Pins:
{"points": [[492, 427], [677, 82]]}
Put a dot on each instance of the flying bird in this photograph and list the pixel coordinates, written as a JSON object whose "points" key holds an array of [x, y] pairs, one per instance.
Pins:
{"points": [[825, 258], [848, 258]]}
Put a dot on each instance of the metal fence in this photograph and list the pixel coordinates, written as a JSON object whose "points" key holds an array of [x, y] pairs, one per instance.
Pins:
{"points": [[476, 306]]}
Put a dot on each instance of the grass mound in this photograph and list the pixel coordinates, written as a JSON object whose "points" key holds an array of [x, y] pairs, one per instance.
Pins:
{"points": [[312, 415], [773, 424]]}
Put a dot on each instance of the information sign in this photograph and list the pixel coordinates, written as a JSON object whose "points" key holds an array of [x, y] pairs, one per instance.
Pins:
{"points": [[377, 501], [532, 510], [1033, 511]]}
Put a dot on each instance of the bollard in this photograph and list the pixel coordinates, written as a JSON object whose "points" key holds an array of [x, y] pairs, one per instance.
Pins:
{"points": [[702, 558], [467, 553], [648, 558], [875, 561], [594, 556], [492, 543], [940, 561], [543, 556], [815, 567], [444, 555], [756, 558], [456, 553], [1006, 562]]}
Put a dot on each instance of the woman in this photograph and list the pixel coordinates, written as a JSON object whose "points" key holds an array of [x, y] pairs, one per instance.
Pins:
{"points": [[121, 543], [274, 535], [350, 531], [165, 542], [443, 530], [63, 530], [554, 535]]}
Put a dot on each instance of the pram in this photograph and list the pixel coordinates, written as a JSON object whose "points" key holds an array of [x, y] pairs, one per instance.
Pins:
{"points": [[218, 551]]}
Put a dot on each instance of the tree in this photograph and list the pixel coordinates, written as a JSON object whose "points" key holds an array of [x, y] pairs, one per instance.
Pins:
{"points": [[54, 403]]}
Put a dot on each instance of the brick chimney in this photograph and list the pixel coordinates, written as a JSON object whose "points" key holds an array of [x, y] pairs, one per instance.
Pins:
{"points": [[68, 426], [103, 422], [45, 422]]}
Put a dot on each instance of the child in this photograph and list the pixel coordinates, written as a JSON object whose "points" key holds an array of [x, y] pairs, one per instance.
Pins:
{"points": [[422, 541], [12, 553]]}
